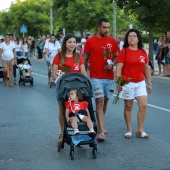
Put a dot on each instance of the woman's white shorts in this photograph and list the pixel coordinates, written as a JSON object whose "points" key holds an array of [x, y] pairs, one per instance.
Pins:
{"points": [[133, 90]]}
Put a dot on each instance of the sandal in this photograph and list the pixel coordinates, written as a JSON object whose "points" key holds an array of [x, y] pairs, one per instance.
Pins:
{"points": [[101, 138], [14, 81], [142, 135], [128, 135], [10, 84], [61, 137]]}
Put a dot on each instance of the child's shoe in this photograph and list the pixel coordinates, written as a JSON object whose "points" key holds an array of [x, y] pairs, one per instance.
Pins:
{"points": [[92, 132], [76, 131]]}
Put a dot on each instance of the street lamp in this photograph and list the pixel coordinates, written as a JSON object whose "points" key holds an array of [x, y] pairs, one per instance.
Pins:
{"points": [[114, 19], [51, 18]]}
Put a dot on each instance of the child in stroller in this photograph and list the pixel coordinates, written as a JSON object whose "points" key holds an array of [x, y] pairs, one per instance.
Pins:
{"points": [[25, 71], [77, 111], [66, 83]]}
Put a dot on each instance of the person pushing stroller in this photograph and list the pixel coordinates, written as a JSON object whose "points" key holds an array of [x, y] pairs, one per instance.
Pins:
{"points": [[77, 111]]}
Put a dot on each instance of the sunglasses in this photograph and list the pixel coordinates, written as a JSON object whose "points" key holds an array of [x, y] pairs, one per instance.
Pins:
{"points": [[132, 36]]}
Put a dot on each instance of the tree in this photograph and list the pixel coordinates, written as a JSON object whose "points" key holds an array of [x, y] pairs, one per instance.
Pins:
{"points": [[82, 15], [152, 15], [36, 18]]}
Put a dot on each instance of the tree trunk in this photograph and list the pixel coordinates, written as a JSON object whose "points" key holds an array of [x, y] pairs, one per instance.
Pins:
{"points": [[38, 32], [81, 31], [151, 45]]}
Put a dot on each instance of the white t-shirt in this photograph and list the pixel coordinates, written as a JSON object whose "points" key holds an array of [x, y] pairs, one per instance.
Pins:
{"points": [[7, 50], [25, 47], [53, 49], [17, 47], [121, 45], [83, 41], [27, 67]]}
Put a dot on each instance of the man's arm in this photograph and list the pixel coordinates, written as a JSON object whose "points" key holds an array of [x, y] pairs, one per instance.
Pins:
{"points": [[86, 59]]}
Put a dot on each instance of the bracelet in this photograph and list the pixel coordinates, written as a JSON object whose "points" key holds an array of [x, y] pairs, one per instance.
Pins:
{"points": [[150, 84]]}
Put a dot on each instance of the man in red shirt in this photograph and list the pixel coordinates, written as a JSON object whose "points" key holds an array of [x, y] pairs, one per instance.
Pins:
{"points": [[101, 52]]}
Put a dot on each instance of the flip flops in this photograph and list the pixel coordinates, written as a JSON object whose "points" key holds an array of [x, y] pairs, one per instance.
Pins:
{"points": [[142, 135]]}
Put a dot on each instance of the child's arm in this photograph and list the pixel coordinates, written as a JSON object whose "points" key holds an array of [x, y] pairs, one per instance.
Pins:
{"points": [[67, 115]]}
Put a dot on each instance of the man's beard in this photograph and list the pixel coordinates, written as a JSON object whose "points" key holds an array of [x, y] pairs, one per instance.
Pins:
{"points": [[104, 34]]}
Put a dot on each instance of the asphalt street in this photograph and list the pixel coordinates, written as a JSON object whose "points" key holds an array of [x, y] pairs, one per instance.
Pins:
{"points": [[29, 131]]}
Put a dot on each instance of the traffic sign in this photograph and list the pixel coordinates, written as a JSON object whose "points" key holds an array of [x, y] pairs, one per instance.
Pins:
{"points": [[23, 29]]}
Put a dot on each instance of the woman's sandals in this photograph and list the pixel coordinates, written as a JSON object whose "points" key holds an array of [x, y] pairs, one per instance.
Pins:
{"points": [[128, 135], [143, 135]]}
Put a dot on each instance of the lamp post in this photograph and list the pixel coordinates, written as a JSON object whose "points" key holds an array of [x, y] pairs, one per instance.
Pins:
{"points": [[114, 19], [51, 18]]}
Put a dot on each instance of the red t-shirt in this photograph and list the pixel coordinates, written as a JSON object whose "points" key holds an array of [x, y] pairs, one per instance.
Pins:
{"points": [[134, 61], [75, 67], [76, 106], [94, 46]]}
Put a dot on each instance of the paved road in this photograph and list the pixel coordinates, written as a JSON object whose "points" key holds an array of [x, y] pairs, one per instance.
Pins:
{"points": [[29, 131]]}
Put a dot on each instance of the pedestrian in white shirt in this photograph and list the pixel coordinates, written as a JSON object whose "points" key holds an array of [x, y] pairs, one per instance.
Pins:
{"points": [[8, 54], [52, 47]]}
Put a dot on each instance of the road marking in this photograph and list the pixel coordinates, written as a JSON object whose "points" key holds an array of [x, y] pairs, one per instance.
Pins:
{"points": [[151, 105], [157, 107], [40, 75]]}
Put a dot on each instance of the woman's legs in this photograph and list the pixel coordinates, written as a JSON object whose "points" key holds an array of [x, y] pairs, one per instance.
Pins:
{"points": [[128, 104], [61, 117], [5, 74], [159, 67], [142, 103], [49, 72], [14, 73]]}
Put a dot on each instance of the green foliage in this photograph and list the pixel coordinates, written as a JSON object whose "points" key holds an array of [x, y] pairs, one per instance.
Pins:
{"points": [[34, 14], [152, 15], [82, 15]]}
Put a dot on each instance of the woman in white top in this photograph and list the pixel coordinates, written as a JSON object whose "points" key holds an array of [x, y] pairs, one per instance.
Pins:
{"points": [[52, 47], [18, 53], [7, 53], [25, 47]]}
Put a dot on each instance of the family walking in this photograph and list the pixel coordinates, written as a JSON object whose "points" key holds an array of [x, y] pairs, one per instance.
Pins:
{"points": [[101, 53]]}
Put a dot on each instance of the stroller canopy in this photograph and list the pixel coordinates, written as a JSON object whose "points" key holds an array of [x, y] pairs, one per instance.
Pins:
{"points": [[21, 59], [74, 80]]}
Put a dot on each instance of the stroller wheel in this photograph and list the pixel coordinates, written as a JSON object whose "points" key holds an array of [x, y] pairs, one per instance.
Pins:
{"points": [[94, 152], [72, 154], [31, 83], [72, 151], [59, 146]]}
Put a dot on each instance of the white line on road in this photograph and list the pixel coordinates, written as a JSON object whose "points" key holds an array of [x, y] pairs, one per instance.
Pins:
{"points": [[157, 107], [40, 75]]}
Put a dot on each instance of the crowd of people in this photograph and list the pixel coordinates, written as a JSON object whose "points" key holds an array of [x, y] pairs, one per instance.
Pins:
{"points": [[161, 51], [126, 53]]}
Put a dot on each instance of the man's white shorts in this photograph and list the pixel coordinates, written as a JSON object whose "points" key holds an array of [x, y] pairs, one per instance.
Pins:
{"points": [[133, 90]]}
